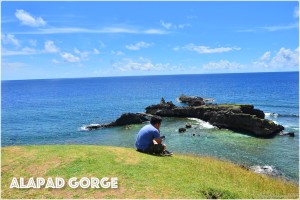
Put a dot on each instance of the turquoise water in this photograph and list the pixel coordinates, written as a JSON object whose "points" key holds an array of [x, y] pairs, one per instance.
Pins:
{"points": [[36, 112]]}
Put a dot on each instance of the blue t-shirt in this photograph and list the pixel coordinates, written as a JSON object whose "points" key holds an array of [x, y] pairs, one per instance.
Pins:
{"points": [[145, 137]]}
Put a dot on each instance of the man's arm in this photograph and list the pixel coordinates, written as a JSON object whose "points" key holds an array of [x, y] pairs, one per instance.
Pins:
{"points": [[157, 141]]}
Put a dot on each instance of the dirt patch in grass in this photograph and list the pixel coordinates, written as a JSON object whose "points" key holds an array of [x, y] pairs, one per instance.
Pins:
{"points": [[40, 169], [130, 159], [8, 153]]}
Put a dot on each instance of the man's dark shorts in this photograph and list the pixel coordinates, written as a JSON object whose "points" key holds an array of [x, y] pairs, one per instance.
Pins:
{"points": [[153, 149]]}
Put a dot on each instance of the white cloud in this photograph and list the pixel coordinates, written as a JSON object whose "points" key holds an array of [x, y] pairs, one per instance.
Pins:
{"points": [[206, 49], [283, 59], [33, 42], [281, 27], [192, 17], [76, 51], [117, 53], [246, 30], [23, 52], [168, 25], [154, 32], [68, 57], [50, 47], [142, 64], [223, 66], [104, 30], [176, 48], [296, 12], [118, 30], [54, 61], [265, 56], [13, 65], [82, 54], [183, 25], [10, 39], [138, 46], [96, 51], [102, 45], [29, 20]]}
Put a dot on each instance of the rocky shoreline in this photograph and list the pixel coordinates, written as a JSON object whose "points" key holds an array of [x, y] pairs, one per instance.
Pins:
{"points": [[241, 118]]}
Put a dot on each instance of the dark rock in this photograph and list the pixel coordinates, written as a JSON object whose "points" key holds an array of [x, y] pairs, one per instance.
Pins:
{"points": [[244, 167], [291, 134], [125, 119], [93, 127], [249, 109], [188, 125], [130, 118], [181, 130], [236, 117], [192, 100], [161, 106]]}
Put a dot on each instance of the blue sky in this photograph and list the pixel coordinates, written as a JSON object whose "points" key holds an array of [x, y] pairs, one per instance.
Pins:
{"points": [[95, 39]]}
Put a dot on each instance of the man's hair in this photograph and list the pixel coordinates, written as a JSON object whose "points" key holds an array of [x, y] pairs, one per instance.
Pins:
{"points": [[155, 119]]}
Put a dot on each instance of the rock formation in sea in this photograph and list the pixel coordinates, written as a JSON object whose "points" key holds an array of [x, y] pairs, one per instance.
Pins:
{"points": [[125, 119], [242, 118]]}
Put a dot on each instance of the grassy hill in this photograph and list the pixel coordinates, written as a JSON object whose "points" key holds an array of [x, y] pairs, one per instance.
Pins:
{"points": [[140, 175]]}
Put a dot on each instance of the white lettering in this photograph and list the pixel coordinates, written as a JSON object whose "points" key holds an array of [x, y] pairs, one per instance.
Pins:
{"points": [[94, 182], [73, 182], [87, 184], [22, 185], [59, 182], [40, 182], [14, 183], [31, 183], [103, 185], [50, 183], [70, 183], [114, 182]]}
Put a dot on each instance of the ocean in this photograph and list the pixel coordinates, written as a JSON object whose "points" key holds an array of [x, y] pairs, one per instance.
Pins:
{"points": [[56, 111]]}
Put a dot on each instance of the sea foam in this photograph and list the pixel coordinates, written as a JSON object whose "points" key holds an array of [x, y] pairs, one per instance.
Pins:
{"points": [[266, 169], [84, 127], [202, 124], [271, 115]]}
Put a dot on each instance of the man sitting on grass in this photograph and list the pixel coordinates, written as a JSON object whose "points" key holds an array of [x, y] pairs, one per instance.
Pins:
{"points": [[148, 139]]}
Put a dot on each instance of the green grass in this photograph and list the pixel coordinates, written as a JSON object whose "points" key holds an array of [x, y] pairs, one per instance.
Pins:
{"points": [[140, 175]]}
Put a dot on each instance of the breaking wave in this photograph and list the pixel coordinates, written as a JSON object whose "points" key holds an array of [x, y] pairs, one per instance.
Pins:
{"points": [[84, 127], [275, 115], [266, 169], [203, 124]]}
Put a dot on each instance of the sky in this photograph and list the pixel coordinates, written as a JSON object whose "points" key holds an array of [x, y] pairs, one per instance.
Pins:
{"points": [[71, 39]]}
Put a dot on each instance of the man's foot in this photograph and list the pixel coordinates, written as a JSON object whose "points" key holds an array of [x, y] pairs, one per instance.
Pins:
{"points": [[167, 153]]}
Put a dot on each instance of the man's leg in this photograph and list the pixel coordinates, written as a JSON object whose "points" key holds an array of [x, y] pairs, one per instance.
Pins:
{"points": [[155, 149]]}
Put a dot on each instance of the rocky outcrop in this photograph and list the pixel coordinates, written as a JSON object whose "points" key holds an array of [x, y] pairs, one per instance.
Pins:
{"points": [[192, 100], [125, 119], [181, 130], [291, 134], [242, 118], [236, 117]]}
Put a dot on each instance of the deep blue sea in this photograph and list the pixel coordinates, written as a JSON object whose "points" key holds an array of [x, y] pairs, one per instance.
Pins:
{"points": [[36, 112]]}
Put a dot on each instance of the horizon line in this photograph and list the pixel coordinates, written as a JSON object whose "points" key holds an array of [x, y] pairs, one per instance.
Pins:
{"points": [[32, 79]]}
